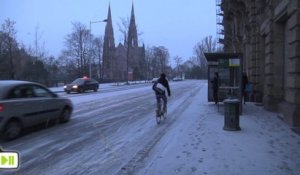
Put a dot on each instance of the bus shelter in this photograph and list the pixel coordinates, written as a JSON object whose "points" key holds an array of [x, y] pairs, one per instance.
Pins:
{"points": [[229, 67]]}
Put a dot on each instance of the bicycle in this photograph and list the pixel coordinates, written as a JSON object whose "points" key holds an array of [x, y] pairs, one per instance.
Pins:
{"points": [[160, 114]]}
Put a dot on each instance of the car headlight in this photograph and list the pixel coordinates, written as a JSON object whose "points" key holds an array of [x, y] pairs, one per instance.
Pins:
{"points": [[65, 87], [75, 86]]}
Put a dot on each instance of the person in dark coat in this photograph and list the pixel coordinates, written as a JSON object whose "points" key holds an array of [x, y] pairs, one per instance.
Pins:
{"points": [[160, 87], [215, 85], [244, 83]]}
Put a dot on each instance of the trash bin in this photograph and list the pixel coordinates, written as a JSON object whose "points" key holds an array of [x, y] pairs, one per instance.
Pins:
{"points": [[231, 115]]}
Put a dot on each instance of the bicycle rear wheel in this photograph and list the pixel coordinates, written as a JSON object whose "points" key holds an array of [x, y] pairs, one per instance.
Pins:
{"points": [[161, 117], [158, 119], [160, 113]]}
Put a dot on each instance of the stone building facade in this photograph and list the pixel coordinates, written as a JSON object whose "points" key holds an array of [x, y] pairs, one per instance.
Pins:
{"points": [[267, 32], [115, 59]]}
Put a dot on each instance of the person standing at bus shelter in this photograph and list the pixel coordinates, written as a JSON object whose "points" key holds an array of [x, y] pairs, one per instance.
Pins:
{"points": [[215, 85]]}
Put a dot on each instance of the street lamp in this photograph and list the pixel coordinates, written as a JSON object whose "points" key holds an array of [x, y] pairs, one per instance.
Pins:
{"points": [[127, 60], [90, 60]]}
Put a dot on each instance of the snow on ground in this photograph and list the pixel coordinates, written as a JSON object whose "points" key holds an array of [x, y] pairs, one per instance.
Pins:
{"points": [[105, 86], [197, 144], [77, 98], [115, 132], [108, 130]]}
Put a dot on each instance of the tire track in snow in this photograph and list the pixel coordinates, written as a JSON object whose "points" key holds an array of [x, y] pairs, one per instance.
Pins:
{"points": [[65, 143], [139, 159]]}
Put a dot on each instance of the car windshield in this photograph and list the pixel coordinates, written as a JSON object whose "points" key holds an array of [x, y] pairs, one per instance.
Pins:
{"points": [[78, 81], [93, 81]]}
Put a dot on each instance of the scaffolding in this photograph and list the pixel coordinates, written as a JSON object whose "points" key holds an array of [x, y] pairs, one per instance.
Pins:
{"points": [[220, 26]]}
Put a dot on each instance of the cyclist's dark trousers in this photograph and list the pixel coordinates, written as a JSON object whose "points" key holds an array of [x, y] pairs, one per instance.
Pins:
{"points": [[160, 99]]}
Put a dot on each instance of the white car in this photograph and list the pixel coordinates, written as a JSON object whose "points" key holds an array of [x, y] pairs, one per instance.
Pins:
{"points": [[24, 104], [177, 79]]}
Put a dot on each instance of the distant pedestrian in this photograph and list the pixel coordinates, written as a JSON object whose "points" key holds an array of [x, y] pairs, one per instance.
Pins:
{"points": [[215, 85], [244, 84]]}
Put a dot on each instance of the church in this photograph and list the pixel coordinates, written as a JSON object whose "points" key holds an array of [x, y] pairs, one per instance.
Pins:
{"points": [[124, 61]]}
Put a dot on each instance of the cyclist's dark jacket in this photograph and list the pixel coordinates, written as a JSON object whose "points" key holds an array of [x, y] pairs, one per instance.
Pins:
{"points": [[159, 91]]}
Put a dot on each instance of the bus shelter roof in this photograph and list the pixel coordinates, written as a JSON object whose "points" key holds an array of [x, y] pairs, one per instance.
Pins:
{"points": [[212, 57]]}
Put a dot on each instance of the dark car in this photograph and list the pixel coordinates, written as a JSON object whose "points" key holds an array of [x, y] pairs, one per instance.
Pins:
{"points": [[81, 85], [24, 104]]}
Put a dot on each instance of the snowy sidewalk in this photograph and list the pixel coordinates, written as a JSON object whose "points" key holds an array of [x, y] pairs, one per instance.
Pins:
{"points": [[197, 144]]}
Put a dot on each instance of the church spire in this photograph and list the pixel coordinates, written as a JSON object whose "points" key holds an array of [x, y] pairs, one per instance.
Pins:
{"points": [[132, 18], [109, 32], [108, 47], [132, 32]]}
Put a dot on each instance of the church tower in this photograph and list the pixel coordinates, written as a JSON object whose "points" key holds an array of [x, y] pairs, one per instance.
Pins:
{"points": [[132, 31], [108, 48], [134, 53], [122, 62]]}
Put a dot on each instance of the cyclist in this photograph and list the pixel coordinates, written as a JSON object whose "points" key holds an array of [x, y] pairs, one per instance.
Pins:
{"points": [[160, 87]]}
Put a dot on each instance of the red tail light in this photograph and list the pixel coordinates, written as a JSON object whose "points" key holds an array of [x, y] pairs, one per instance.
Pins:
{"points": [[1, 107]]}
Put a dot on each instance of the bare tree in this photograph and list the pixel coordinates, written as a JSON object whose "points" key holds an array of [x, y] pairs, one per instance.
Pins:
{"points": [[148, 59], [161, 58], [68, 67], [16, 62], [39, 48], [97, 53], [123, 29], [38, 65], [157, 61], [77, 44], [208, 44], [178, 62], [52, 66], [9, 44]]}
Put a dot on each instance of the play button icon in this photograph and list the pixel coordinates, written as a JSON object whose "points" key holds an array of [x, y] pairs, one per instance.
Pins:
{"points": [[3, 160], [9, 160]]}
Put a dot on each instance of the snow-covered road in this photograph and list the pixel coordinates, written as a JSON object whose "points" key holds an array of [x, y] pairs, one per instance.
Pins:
{"points": [[109, 132]]}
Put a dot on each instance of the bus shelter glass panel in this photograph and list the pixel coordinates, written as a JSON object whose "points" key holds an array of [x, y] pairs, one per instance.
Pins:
{"points": [[229, 78]]}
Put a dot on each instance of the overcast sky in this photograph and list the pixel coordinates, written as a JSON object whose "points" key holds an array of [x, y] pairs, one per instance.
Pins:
{"points": [[176, 24]]}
